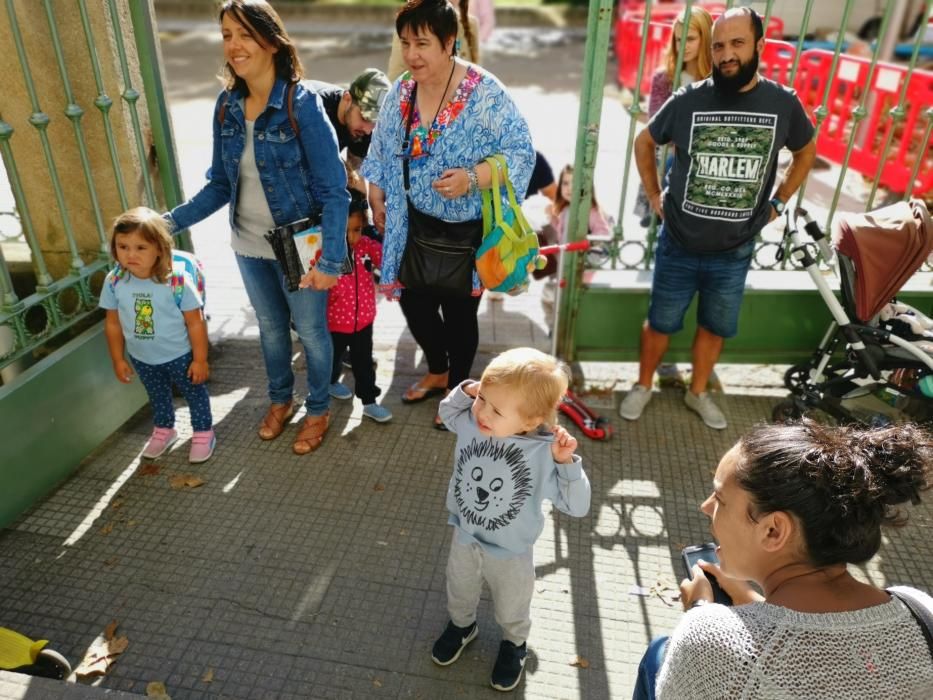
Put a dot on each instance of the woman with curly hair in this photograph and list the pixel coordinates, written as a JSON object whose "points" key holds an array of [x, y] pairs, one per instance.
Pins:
{"points": [[792, 506]]}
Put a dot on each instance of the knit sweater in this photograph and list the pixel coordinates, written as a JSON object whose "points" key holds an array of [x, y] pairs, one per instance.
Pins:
{"points": [[767, 651]]}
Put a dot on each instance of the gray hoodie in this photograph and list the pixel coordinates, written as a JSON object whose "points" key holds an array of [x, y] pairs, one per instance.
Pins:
{"points": [[498, 485]]}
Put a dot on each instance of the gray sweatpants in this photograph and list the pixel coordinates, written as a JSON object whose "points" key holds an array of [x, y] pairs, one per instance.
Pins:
{"points": [[511, 582]]}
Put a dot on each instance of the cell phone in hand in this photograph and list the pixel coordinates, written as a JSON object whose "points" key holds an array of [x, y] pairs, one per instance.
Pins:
{"points": [[707, 552]]}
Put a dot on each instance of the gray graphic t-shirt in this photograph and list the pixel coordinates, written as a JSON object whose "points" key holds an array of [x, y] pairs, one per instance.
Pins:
{"points": [[725, 159]]}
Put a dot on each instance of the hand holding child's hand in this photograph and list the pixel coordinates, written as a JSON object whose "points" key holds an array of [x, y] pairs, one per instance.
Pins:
{"points": [[198, 372], [123, 370], [471, 389], [563, 446]]}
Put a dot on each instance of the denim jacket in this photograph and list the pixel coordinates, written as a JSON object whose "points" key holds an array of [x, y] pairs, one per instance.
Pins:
{"points": [[300, 174]]}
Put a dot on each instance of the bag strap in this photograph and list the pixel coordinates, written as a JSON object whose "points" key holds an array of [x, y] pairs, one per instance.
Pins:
{"points": [[289, 100], [921, 613], [498, 162], [406, 144]]}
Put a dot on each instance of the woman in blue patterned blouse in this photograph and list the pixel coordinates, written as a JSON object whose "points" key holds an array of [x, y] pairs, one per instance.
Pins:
{"points": [[462, 114]]}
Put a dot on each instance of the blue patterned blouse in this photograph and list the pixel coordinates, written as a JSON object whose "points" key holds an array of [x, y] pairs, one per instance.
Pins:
{"points": [[488, 123]]}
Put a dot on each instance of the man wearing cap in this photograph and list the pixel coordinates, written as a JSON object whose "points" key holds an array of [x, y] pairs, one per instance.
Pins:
{"points": [[353, 112]]}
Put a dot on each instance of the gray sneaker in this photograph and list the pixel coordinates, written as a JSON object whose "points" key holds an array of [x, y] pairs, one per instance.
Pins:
{"points": [[634, 402], [707, 410]]}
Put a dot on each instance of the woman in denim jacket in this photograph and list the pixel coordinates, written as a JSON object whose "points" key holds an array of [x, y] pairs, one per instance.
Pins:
{"points": [[275, 161]]}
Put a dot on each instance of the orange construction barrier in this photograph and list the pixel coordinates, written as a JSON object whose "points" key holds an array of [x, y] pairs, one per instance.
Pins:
{"points": [[845, 93]]}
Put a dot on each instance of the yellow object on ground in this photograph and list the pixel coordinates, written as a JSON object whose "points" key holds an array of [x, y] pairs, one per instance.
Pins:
{"points": [[17, 650]]}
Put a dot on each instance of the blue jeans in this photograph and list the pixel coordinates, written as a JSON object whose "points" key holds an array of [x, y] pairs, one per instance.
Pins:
{"points": [[648, 669], [719, 279], [275, 309]]}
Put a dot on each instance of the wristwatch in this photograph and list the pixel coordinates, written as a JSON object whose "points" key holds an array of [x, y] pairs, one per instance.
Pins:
{"points": [[778, 205]]}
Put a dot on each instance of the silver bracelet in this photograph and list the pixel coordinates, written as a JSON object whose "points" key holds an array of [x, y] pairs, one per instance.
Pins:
{"points": [[474, 179]]}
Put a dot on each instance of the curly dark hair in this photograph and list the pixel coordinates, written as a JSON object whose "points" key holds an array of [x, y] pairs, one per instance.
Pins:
{"points": [[265, 26], [841, 483]]}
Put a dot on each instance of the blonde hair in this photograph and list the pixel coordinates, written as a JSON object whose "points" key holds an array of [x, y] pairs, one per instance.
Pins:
{"points": [[153, 229], [540, 379], [702, 21]]}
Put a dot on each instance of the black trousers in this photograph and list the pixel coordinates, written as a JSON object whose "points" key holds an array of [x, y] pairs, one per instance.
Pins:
{"points": [[446, 329], [361, 361]]}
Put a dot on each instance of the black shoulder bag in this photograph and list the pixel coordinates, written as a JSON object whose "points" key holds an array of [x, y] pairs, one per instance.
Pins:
{"points": [[440, 256]]}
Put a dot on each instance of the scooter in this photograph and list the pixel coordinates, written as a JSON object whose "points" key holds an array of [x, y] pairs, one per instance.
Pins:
{"points": [[21, 654]]}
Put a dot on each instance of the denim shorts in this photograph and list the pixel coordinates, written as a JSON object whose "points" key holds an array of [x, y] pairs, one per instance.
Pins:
{"points": [[679, 274]]}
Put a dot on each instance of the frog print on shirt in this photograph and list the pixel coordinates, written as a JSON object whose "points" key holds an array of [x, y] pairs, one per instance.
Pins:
{"points": [[145, 326], [492, 481]]}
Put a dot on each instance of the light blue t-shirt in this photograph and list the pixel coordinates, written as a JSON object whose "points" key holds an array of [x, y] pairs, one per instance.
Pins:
{"points": [[153, 324]]}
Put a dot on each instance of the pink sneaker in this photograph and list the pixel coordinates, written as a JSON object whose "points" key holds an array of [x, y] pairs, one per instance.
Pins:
{"points": [[161, 440], [202, 446]]}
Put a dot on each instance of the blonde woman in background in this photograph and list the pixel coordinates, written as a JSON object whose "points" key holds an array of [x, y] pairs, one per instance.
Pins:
{"points": [[696, 65]]}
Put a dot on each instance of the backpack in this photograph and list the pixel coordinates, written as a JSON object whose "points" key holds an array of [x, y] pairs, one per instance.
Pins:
{"points": [[184, 264], [510, 246]]}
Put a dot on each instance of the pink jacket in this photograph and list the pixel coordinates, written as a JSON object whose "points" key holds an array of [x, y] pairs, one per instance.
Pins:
{"points": [[351, 303]]}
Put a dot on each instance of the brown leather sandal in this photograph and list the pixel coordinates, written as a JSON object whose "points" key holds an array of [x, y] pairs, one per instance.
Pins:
{"points": [[311, 434], [275, 420]]}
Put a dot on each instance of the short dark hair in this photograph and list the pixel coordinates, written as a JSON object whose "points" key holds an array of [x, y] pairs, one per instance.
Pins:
{"points": [[437, 16], [358, 202], [265, 26], [841, 483]]}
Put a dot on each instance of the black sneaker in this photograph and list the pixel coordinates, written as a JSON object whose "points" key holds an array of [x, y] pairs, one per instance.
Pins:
{"points": [[448, 646], [510, 663]]}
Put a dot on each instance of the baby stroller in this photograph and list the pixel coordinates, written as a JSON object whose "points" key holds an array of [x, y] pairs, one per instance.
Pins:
{"points": [[875, 362]]}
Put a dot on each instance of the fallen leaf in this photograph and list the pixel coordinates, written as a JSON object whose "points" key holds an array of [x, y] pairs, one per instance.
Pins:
{"points": [[132, 523], [580, 662], [107, 529], [156, 689], [379, 487], [117, 504], [150, 469], [208, 677], [110, 629], [377, 683], [182, 481], [101, 655], [111, 561]]}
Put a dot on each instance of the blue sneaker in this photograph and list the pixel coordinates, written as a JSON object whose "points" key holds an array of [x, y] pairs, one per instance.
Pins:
{"points": [[340, 391], [378, 413]]}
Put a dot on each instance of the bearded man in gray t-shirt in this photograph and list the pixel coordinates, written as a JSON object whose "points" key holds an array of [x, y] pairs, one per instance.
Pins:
{"points": [[726, 132]]}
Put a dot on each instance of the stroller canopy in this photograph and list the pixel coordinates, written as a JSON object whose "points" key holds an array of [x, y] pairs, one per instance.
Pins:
{"points": [[886, 247]]}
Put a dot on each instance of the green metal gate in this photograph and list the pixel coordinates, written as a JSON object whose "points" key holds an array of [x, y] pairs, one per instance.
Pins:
{"points": [[604, 303], [66, 175]]}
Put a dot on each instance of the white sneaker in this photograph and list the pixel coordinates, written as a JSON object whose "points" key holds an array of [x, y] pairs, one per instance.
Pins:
{"points": [[634, 402], [706, 409]]}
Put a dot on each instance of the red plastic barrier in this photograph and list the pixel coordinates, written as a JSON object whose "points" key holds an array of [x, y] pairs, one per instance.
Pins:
{"points": [[845, 93]]}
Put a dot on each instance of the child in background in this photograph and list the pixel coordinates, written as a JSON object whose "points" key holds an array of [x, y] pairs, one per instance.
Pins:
{"points": [[557, 233], [510, 457], [351, 310], [165, 338]]}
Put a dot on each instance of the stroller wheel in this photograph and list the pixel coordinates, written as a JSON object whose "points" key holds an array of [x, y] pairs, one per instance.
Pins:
{"points": [[797, 375], [787, 411]]}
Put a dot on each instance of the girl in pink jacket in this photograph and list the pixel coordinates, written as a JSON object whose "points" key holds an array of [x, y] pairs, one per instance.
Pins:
{"points": [[351, 310]]}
